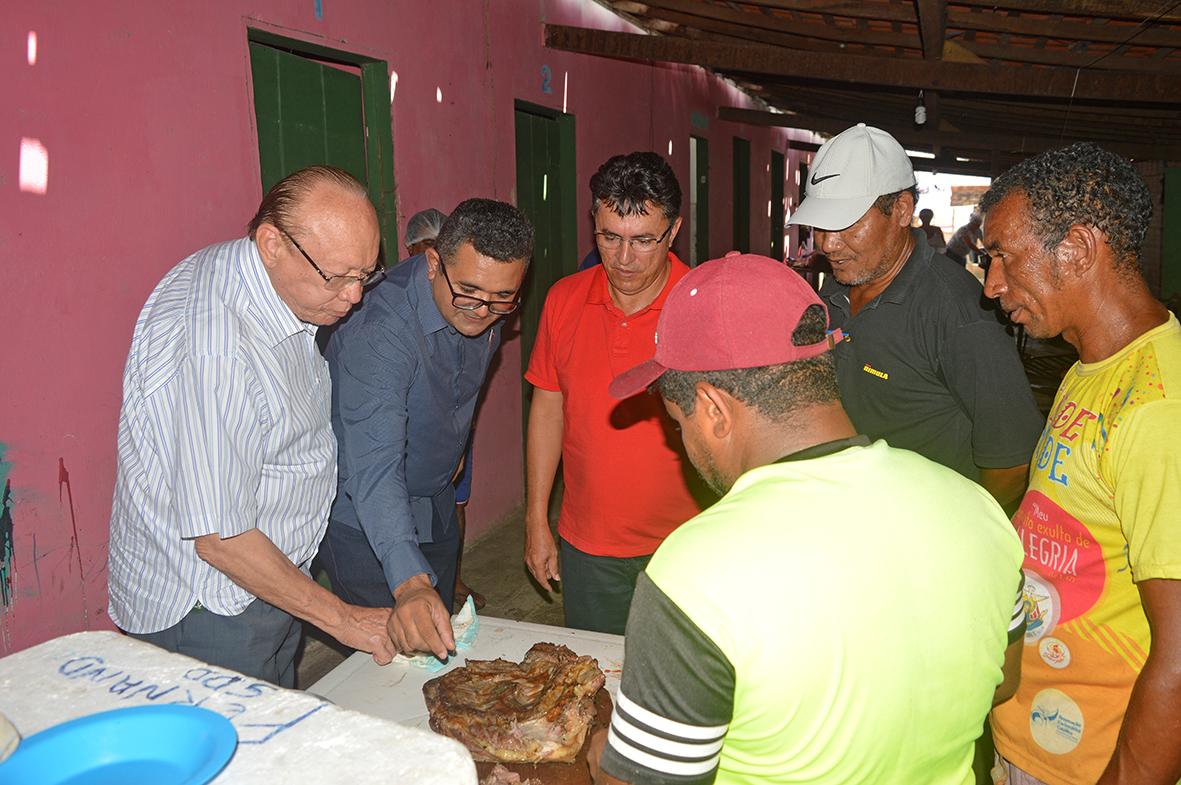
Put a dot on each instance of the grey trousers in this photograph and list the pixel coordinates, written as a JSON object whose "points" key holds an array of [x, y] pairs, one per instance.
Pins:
{"points": [[260, 642], [597, 590]]}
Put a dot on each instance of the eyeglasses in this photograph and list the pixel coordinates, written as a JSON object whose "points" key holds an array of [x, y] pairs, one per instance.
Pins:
{"points": [[612, 242], [466, 302], [338, 282]]}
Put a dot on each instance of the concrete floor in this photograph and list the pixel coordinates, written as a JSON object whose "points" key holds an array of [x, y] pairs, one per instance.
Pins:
{"points": [[492, 565]]}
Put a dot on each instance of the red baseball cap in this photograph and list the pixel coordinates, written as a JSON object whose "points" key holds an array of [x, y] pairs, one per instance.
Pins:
{"points": [[736, 312]]}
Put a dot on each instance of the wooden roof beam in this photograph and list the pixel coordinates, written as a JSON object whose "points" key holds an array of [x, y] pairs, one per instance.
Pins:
{"points": [[1116, 9], [932, 27], [888, 12], [1021, 144], [1071, 59], [693, 12], [1051, 82], [1073, 31], [764, 29]]}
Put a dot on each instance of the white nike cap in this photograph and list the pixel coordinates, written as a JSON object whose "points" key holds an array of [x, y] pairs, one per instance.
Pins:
{"points": [[849, 172]]}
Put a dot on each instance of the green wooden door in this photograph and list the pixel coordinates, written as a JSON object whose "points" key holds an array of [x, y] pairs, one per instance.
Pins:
{"points": [[741, 181], [315, 105], [778, 173], [308, 113], [545, 194], [698, 200]]}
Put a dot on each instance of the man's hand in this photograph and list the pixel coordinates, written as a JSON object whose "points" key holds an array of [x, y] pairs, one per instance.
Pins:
{"points": [[594, 751], [541, 554], [253, 562], [364, 629], [420, 622], [1007, 485], [543, 451], [1147, 752]]}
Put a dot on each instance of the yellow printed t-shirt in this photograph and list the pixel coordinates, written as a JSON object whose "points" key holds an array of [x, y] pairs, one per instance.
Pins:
{"points": [[1103, 511]]}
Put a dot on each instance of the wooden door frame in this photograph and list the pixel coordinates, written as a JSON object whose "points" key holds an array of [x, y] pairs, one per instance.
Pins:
{"points": [[741, 201], [568, 247]]}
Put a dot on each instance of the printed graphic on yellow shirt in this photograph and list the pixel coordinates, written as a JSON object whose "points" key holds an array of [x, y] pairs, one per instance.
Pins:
{"points": [[1064, 567], [1056, 721]]}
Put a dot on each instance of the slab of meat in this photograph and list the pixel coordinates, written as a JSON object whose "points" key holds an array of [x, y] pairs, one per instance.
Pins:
{"points": [[502, 776], [534, 711]]}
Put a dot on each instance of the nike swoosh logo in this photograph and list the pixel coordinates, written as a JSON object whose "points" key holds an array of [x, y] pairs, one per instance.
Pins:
{"points": [[818, 180]]}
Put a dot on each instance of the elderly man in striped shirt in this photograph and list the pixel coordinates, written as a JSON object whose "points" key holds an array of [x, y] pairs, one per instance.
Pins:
{"points": [[227, 461]]}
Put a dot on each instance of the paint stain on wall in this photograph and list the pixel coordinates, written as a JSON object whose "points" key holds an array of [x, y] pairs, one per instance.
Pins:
{"points": [[63, 483], [6, 539]]}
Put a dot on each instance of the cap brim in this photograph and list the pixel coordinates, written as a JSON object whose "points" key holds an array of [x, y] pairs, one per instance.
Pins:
{"points": [[636, 380], [830, 215]]}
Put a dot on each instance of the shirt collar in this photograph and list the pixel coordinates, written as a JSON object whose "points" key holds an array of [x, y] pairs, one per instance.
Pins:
{"points": [[600, 292], [275, 317], [904, 282], [425, 307]]}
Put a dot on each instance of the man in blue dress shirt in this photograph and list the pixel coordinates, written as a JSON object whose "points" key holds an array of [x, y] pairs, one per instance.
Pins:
{"points": [[407, 369]]}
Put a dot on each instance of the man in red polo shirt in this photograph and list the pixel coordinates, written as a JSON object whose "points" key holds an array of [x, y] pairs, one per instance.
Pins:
{"points": [[626, 486]]}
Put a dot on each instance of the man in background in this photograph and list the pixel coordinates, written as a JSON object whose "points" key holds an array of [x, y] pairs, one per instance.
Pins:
{"points": [[422, 230], [932, 232], [966, 242], [227, 462]]}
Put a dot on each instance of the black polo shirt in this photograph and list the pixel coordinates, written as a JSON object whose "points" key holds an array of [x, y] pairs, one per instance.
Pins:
{"points": [[928, 368]]}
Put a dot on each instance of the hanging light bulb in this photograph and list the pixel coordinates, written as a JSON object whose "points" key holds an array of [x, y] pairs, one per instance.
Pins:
{"points": [[920, 111]]}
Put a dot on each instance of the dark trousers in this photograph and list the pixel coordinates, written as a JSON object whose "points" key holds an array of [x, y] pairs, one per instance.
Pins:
{"points": [[355, 570], [259, 642], [597, 590]]}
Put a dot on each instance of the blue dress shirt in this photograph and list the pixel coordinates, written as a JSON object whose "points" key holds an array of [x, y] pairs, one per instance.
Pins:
{"points": [[404, 388]]}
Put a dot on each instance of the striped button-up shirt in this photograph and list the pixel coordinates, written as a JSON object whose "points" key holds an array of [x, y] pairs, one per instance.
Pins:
{"points": [[225, 428]]}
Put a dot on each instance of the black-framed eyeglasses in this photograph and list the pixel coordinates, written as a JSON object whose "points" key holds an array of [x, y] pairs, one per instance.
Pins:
{"points": [[612, 242], [338, 282], [465, 302]]}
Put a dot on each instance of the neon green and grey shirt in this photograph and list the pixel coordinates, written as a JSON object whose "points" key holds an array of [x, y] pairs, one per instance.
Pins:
{"points": [[832, 619]]}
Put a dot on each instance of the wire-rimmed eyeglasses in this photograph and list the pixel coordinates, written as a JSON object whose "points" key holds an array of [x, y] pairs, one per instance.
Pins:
{"points": [[338, 282], [641, 245]]}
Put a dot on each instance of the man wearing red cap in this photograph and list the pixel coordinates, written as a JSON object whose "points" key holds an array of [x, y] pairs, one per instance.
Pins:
{"points": [[895, 613]]}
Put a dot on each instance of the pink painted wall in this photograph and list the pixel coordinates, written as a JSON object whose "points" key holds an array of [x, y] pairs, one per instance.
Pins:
{"points": [[145, 113]]}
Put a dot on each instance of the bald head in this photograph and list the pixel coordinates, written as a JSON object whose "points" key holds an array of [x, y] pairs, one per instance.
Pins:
{"points": [[284, 198], [314, 228]]}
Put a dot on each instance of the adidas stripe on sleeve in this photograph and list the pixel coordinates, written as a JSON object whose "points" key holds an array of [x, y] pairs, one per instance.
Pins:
{"points": [[676, 699]]}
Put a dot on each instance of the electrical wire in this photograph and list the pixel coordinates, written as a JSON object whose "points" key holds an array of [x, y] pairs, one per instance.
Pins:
{"points": [[1140, 28]]}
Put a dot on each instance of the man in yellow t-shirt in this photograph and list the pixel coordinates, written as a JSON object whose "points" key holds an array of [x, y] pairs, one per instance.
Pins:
{"points": [[1100, 697]]}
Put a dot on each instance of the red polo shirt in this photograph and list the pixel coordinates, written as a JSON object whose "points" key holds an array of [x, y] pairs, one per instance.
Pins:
{"points": [[625, 483]]}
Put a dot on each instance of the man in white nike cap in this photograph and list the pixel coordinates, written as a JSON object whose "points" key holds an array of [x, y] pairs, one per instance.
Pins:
{"points": [[924, 365]]}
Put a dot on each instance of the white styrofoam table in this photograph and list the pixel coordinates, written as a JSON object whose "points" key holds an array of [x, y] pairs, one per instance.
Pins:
{"points": [[394, 692], [283, 735]]}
